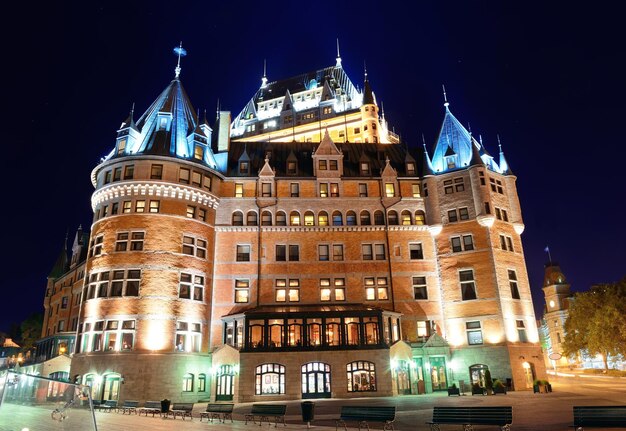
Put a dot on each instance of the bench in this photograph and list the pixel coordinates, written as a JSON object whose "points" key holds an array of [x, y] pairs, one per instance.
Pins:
{"points": [[219, 411], [128, 407], [599, 417], [108, 406], [468, 416], [264, 412], [363, 415], [181, 409], [153, 407]]}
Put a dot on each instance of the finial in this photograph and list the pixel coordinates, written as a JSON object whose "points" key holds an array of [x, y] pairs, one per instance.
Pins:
{"points": [[67, 234], [338, 56], [264, 79], [424, 142], [469, 127], [365, 69], [132, 110], [181, 52], [382, 109], [445, 97], [499, 144]]}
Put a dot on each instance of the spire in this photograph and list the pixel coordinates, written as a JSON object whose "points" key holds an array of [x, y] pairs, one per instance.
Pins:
{"points": [[338, 59], [503, 164], [264, 79], [130, 121], [427, 168], [180, 52], [476, 160], [452, 135], [445, 97], [368, 94], [61, 265]]}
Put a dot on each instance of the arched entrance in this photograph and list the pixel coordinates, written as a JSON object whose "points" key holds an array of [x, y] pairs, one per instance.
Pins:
{"points": [[438, 373], [111, 387], [316, 380], [403, 378], [529, 374], [477, 374], [225, 383]]}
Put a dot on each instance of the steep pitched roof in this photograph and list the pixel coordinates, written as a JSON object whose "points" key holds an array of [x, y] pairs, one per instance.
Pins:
{"points": [[453, 139], [60, 266]]}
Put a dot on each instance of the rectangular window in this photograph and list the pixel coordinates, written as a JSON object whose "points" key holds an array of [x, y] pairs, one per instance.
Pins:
{"points": [[468, 287], [415, 251], [458, 185], [202, 214], [140, 206], [362, 190], [333, 165], [243, 253], [242, 291], [323, 165], [281, 253], [194, 246], [117, 174], [365, 168], [366, 251], [294, 189], [107, 177], [452, 217], [376, 288], [419, 288], [115, 208], [96, 246], [129, 172], [416, 190], [266, 189], [448, 188], [502, 242], [238, 190], [323, 252], [155, 206], [474, 333], [521, 331], [127, 208], [196, 179], [487, 208], [334, 190], [292, 168], [294, 253], [390, 190], [337, 252], [379, 251], [183, 176], [513, 284], [323, 190], [422, 328], [198, 152], [156, 172], [191, 287], [188, 339], [463, 214], [64, 302], [461, 243], [410, 169], [191, 211], [207, 182]]}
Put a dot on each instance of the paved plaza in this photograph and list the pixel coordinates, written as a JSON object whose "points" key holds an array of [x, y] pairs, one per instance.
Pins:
{"points": [[549, 412]]}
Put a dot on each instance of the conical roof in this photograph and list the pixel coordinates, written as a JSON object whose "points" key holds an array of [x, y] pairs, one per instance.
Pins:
{"points": [[453, 139], [60, 266]]}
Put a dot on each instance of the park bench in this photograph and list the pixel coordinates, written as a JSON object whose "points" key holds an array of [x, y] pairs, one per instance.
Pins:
{"points": [[108, 406], [128, 407], [264, 412], [219, 411], [364, 415], [181, 409], [153, 407], [468, 416], [599, 417]]}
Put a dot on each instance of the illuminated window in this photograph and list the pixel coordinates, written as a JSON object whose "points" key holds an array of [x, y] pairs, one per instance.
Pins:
{"points": [[202, 214], [410, 169], [376, 288], [361, 376], [323, 190], [198, 152], [269, 379], [405, 216], [322, 218], [468, 287], [238, 190], [474, 333], [140, 206], [121, 146], [155, 206], [242, 291], [191, 287], [207, 182], [390, 190], [416, 190], [422, 328], [415, 251], [419, 288], [194, 246], [294, 218], [334, 190], [513, 284], [420, 218], [201, 382], [196, 179], [156, 172], [95, 248], [188, 336], [243, 253], [183, 176], [288, 291]]}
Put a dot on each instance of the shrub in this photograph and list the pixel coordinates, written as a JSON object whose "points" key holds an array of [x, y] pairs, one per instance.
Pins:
{"points": [[453, 385], [498, 384]]}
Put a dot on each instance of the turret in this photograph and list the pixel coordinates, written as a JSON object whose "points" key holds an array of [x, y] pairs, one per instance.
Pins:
{"points": [[370, 125]]}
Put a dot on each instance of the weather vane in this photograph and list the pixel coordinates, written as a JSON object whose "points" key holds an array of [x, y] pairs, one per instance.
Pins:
{"points": [[180, 52]]}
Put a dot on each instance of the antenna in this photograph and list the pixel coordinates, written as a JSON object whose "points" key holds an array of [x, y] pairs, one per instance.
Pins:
{"points": [[499, 144], [445, 97], [181, 52], [264, 79], [338, 55], [365, 70]]}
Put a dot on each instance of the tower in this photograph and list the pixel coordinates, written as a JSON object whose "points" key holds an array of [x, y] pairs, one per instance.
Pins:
{"points": [[557, 295]]}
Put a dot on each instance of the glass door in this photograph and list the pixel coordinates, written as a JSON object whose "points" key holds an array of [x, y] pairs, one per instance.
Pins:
{"points": [[225, 383], [438, 373], [316, 380], [111, 387]]}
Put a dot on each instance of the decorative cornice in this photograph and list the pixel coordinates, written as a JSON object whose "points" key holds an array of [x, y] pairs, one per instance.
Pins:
{"points": [[165, 190], [374, 228], [486, 220]]}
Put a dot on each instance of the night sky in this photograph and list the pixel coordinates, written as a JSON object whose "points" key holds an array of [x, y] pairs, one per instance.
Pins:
{"points": [[550, 80]]}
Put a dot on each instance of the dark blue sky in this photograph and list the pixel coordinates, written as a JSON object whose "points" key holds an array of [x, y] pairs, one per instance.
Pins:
{"points": [[549, 79]]}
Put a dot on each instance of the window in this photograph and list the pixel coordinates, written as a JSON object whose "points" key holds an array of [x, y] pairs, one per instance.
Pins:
{"points": [[207, 182], [286, 292], [337, 252], [415, 251], [392, 218], [269, 379], [183, 176], [266, 218], [201, 382], [294, 218], [323, 165], [376, 288], [191, 287], [292, 168], [244, 167], [156, 172], [365, 168], [366, 251], [323, 190], [462, 243], [251, 218], [140, 206], [452, 216], [448, 188], [364, 218], [155, 206], [333, 165], [419, 288], [334, 190], [132, 241], [351, 218], [496, 186], [502, 214], [129, 172], [194, 246], [242, 291], [196, 179], [188, 336], [115, 208], [107, 177], [463, 214], [423, 328], [362, 190], [64, 301], [410, 169], [266, 189], [482, 177], [281, 219], [239, 190], [468, 287], [322, 251], [361, 376], [127, 208], [416, 190], [322, 218], [474, 333], [379, 218], [487, 208], [121, 146], [513, 284], [458, 185], [337, 218], [332, 292], [117, 174], [390, 190], [420, 218], [243, 253], [294, 189], [96, 246], [198, 152], [201, 214], [237, 219]]}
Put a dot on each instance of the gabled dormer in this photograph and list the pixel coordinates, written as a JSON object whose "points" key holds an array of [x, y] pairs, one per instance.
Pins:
{"points": [[328, 94], [327, 159], [365, 165], [410, 167], [127, 136], [267, 183], [291, 167], [389, 177], [243, 164], [287, 103]]}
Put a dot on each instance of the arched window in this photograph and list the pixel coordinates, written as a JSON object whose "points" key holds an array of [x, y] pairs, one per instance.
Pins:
{"points": [[225, 383], [201, 382], [188, 382], [237, 218], [351, 218], [270, 379], [406, 218], [281, 219], [294, 332], [371, 330], [420, 218], [316, 380], [266, 218], [361, 376], [314, 331], [337, 218], [352, 328], [277, 332], [322, 218], [365, 218], [251, 218], [392, 217], [294, 218], [333, 331], [379, 218], [309, 218]]}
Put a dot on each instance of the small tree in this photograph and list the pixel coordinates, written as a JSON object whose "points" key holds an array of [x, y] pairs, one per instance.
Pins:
{"points": [[488, 381], [596, 321]]}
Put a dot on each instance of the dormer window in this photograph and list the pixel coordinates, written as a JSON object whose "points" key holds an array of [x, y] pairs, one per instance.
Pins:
{"points": [[410, 169], [121, 146], [198, 152], [292, 168], [365, 168], [451, 162], [333, 165], [323, 165], [163, 123], [244, 167]]}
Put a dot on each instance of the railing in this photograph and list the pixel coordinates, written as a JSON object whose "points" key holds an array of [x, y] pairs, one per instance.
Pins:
{"points": [[32, 402]]}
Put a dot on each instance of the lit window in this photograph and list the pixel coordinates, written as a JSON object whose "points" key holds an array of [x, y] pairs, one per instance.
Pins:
{"points": [[390, 190], [422, 328], [269, 379], [474, 333], [156, 172], [196, 179], [361, 376], [334, 190], [155, 206], [294, 218], [420, 218], [238, 190], [337, 252], [242, 291], [323, 165], [188, 336], [191, 287], [121, 146], [140, 206], [309, 219], [376, 288], [198, 152], [322, 219], [406, 218], [127, 208], [266, 189], [468, 287], [183, 176], [416, 191], [323, 190], [332, 165]]}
